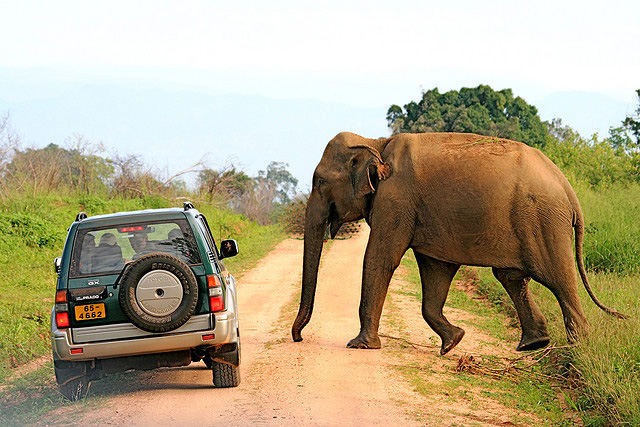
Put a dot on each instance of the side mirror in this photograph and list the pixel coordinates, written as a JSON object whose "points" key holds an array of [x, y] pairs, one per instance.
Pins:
{"points": [[228, 248], [57, 263]]}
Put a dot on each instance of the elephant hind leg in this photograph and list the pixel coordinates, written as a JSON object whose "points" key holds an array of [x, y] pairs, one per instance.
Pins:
{"points": [[532, 321], [563, 283], [436, 279]]}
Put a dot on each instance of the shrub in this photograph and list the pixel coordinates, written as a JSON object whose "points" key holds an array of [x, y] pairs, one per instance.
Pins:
{"points": [[34, 230], [292, 222], [595, 162], [292, 217]]}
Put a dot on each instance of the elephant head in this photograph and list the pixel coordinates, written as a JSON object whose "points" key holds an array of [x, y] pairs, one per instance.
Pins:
{"points": [[344, 184]]}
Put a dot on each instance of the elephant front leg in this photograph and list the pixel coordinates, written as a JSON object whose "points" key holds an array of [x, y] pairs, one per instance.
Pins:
{"points": [[381, 259], [374, 290], [368, 336]]}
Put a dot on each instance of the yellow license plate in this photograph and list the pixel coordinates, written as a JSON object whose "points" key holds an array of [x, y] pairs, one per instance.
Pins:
{"points": [[90, 311]]}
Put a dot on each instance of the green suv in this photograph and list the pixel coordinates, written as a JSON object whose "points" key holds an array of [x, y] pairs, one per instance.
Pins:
{"points": [[142, 290]]}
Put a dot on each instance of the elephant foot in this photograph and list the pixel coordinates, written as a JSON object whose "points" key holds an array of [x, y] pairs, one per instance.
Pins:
{"points": [[365, 342], [528, 344], [449, 343]]}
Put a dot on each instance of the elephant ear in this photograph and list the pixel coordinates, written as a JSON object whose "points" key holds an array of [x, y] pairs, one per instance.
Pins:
{"points": [[367, 171]]}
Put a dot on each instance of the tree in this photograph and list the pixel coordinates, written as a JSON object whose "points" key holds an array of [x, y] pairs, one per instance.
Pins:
{"points": [[87, 170], [255, 197], [271, 189], [279, 181], [471, 110], [632, 123], [9, 142], [225, 183], [53, 168]]}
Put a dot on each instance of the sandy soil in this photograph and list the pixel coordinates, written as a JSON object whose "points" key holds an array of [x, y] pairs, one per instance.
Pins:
{"points": [[317, 381]]}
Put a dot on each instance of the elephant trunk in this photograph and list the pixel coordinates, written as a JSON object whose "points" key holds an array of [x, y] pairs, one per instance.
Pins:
{"points": [[314, 230]]}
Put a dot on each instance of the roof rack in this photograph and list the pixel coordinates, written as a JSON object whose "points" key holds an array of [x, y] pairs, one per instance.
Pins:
{"points": [[81, 216], [187, 206]]}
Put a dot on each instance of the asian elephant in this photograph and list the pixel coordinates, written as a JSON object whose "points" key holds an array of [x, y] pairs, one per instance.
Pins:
{"points": [[454, 199]]}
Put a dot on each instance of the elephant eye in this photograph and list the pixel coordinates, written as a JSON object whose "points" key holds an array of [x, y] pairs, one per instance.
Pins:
{"points": [[318, 180]]}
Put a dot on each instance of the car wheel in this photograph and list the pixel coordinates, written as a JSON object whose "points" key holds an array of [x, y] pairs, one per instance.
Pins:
{"points": [[225, 375], [158, 292]]}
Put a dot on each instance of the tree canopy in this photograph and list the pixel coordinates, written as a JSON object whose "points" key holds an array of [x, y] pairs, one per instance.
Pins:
{"points": [[279, 181], [478, 110], [256, 197], [632, 123], [52, 168]]}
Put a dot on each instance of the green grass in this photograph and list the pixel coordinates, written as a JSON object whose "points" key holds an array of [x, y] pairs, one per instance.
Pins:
{"points": [[603, 371], [612, 227], [605, 367], [607, 363], [528, 392], [34, 397], [25, 399], [33, 235]]}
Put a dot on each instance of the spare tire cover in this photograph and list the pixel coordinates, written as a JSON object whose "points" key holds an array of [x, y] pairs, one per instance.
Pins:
{"points": [[158, 292]]}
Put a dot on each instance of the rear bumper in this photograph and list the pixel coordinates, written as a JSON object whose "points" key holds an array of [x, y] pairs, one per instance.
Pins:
{"points": [[119, 340]]}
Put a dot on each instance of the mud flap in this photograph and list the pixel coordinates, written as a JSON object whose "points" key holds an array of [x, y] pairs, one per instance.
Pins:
{"points": [[67, 371], [227, 354]]}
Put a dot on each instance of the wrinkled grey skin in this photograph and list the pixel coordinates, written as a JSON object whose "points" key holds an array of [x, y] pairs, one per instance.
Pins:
{"points": [[454, 199]]}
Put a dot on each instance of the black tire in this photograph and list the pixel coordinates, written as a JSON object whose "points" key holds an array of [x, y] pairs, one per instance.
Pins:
{"points": [[76, 388], [225, 375], [158, 292]]}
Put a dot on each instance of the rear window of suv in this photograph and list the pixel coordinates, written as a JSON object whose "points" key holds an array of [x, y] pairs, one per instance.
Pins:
{"points": [[106, 250]]}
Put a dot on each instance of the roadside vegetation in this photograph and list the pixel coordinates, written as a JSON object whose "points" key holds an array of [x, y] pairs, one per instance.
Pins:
{"points": [[604, 369], [509, 388]]}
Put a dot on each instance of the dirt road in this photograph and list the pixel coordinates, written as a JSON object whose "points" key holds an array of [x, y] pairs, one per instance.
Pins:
{"points": [[316, 382]]}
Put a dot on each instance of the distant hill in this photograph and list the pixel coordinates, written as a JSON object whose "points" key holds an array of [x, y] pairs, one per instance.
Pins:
{"points": [[175, 129]]}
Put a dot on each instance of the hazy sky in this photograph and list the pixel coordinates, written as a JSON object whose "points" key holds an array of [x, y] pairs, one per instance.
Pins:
{"points": [[356, 52]]}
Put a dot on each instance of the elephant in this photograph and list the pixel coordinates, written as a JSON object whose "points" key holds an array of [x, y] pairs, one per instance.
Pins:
{"points": [[454, 199]]}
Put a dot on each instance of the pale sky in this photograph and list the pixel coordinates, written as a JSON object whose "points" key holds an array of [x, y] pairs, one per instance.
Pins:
{"points": [[365, 53]]}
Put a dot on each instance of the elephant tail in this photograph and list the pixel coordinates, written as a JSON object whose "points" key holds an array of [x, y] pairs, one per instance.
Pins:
{"points": [[579, 230]]}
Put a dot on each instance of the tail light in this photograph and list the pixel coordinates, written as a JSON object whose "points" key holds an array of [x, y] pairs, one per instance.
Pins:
{"points": [[62, 320], [62, 310], [216, 302]]}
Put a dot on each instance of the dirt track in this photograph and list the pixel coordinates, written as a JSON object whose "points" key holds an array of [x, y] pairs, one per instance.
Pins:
{"points": [[318, 381]]}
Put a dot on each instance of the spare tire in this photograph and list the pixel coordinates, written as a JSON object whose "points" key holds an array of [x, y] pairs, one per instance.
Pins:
{"points": [[158, 292]]}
